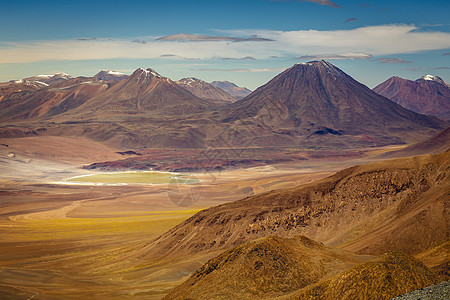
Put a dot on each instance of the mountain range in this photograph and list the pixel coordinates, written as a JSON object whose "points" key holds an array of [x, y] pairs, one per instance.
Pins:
{"points": [[232, 89], [428, 95], [205, 90], [313, 104]]}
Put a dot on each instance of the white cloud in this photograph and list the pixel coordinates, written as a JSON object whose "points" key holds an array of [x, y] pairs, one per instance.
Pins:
{"points": [[364, 41], [374, 40], [392, 60], [322, 2], [186, 37], [244, 70], [337, 56]]}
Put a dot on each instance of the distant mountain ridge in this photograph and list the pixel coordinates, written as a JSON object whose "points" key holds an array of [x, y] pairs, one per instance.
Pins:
{"points": [[109, 75], [428, 95], [204, 90], [232, 89], [143, 91], [313, 104]]}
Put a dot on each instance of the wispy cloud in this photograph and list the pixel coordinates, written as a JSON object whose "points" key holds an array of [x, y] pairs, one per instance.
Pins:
{"points": [[350, 20], [432, 25], [244, 70], [442, 68], [186, 37], [446, 53], [139, 41], [337, 56], [392, 60], [376, 40], [87, 39], [242, 58], [322, 2], [358, 43]]}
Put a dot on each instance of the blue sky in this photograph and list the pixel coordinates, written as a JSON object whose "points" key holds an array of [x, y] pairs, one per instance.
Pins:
{"points": [[247, 42]]}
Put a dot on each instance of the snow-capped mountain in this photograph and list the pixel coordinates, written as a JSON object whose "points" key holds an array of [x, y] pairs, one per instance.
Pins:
{"points": [[428, 95], [109, 75]]}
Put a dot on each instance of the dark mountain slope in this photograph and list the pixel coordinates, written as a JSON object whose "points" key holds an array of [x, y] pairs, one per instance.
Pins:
{"points": [[316, 103]]}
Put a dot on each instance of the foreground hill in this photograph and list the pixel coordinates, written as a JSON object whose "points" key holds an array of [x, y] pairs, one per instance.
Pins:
{"points": [[428, 95], [391, 275], [267, 267], [298, 268], [369, 209], [434, 292]]}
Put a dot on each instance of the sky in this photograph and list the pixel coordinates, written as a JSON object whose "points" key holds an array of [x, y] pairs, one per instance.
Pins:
{"points": [[245, 42]]}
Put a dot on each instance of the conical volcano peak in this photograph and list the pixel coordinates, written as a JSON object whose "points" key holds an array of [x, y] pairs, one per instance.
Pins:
{"points": [[146, 72], [320, 63], [316, 63], [320, 66]]}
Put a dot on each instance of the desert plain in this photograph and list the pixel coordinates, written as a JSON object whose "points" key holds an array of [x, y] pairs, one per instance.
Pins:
{"points": [[71, 239]]}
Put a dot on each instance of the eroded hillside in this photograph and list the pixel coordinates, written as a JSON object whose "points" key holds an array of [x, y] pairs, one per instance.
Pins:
{"points": [[370, 209]]}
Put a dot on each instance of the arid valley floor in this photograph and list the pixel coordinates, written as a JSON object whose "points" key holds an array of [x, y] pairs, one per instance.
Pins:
{"points": [[61, 240]]}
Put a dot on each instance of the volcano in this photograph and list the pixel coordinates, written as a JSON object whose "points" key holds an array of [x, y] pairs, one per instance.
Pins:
{"points": [[316, 103]]}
